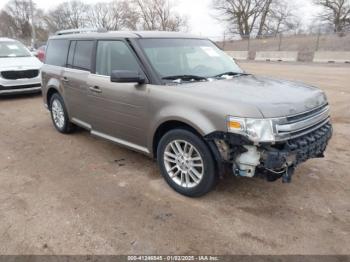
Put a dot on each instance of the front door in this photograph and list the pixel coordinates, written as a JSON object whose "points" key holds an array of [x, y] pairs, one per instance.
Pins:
{"points": [[117, 111]]}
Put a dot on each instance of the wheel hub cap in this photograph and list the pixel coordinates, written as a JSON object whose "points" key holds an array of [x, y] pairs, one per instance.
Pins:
{"points": [[57, 113], [183, 163]]}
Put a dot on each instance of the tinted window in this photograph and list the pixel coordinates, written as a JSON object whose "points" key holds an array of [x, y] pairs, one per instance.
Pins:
{"points": [[114, 55], [56, 53], [83, 54]]}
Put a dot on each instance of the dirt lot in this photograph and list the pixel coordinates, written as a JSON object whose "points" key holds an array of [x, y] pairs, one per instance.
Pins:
{"points": [[81, 195]]}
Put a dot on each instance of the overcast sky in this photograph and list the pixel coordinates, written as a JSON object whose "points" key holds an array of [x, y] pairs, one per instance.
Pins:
{"points": [[201, 17]]}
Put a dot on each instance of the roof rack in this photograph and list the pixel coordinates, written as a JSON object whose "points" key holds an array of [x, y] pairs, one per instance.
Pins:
{"points": [[81, 31]]}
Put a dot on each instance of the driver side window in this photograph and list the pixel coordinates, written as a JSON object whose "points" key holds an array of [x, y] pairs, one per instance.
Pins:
{"points": [[114, 55]]}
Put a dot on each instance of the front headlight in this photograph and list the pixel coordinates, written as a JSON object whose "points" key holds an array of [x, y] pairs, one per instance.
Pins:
{"points": [[257, 130]]}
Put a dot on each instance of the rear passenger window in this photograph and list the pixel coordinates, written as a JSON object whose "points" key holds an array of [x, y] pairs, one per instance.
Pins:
{"points": [[83, 55], [114, 55], [56, 53]]}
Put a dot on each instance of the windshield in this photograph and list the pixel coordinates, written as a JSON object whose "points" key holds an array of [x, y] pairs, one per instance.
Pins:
{"points": [[194, 57], [13, 49]]}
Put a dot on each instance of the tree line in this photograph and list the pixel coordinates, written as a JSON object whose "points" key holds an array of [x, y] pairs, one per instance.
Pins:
{"points": [[17, 17], [246, 18], [258, 18]]}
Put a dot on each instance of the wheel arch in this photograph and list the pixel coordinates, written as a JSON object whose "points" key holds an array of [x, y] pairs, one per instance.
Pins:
{"points": [[50, 92], [168, 125]]}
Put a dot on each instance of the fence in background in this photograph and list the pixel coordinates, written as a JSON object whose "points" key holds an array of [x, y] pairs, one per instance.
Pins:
{"points": [[305, 45]]}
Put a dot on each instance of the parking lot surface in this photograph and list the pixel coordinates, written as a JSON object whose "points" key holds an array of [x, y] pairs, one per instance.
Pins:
{"points": [[78, 194]]}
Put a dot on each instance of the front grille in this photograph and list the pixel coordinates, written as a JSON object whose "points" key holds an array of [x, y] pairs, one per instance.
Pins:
{"points": [[5, 88], [14, 75], [295, 126], [311, 145]]}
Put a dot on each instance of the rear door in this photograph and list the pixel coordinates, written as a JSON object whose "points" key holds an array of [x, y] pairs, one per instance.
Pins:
{"points": [[75, 75], [117, 111], [56, 59]]}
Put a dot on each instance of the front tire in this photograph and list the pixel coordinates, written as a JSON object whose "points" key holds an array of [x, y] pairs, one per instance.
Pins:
{"points": [[59, 115], [186, 163]]}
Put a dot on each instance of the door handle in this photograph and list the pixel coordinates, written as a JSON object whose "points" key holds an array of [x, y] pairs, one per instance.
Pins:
{"points": [[95, 89], [65, 79]]}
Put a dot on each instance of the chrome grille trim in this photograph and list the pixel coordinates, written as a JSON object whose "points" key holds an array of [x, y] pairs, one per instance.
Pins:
{"points": [[307, 114], [285, 129]]}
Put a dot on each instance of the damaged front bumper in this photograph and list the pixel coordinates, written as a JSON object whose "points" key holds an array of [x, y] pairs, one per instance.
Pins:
{"points": [[267, 160]]}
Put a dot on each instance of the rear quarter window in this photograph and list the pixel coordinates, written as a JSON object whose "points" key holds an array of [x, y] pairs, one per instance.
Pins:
{"points": [[56, 53]]}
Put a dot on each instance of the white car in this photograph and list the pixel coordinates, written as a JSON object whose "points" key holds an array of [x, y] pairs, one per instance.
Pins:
{"points": [[19, 69]]}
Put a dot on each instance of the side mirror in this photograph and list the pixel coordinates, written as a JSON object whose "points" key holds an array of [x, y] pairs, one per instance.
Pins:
{"points": [[123, 76]]}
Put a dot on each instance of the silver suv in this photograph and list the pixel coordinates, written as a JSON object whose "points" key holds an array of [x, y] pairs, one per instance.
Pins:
{"points": [[181, 100]]}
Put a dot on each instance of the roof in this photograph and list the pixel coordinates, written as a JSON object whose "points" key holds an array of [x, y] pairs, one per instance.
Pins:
{"points": [[126, 34]]}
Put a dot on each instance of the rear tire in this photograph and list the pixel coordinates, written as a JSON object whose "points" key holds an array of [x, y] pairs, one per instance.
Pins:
{"points": [[186, 163], [59, 115]]}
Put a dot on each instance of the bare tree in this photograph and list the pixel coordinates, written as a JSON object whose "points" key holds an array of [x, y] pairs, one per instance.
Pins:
{"points": [[336, 12], [282, 18], [129, 17], [68, 15], [116, 15], [256, 17], [159, 15], [19, 11], [7, 23], [266, 6], [243, 16], [15, 19]]}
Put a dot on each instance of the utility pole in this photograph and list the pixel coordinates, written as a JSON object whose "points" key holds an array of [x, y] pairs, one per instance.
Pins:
{"points": [[318, 38], [33, 24], [280, 42], [224, 41]]}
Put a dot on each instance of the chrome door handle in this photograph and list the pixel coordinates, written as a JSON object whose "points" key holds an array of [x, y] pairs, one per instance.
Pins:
{"points": [[95, 89]]}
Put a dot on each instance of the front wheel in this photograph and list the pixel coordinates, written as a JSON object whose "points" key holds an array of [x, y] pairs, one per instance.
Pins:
{"points": [[186, 163]]}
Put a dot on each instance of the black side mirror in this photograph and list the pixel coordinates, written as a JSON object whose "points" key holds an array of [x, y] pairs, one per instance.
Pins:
{"points": [[124, 76]]}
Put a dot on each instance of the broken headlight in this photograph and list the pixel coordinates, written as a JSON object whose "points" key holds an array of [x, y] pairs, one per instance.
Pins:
{"points": [[256, 130]]}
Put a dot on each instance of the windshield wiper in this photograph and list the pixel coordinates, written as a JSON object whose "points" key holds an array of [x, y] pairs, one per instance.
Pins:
{"points": [[185, 77], [231, 74]]}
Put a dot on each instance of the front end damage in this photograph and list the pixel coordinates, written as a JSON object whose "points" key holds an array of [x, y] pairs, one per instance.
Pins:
{"points": [[271, 161]]}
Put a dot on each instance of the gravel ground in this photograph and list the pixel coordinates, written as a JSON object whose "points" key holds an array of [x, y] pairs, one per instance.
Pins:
{"points": [[78, 194]]}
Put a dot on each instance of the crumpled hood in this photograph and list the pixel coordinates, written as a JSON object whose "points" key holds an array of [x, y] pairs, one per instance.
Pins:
{"points": [[19, 63], [272, 97]]}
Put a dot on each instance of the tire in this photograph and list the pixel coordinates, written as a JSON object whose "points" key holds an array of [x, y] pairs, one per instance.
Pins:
{"points": [[59, 115], [192, 175]]}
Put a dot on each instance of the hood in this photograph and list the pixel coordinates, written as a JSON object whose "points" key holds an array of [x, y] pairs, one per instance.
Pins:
{"points": [[272, 97], [19, 63]]}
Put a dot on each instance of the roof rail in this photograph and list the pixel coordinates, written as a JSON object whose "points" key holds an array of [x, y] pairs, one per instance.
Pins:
{"points": [[81, 31]]}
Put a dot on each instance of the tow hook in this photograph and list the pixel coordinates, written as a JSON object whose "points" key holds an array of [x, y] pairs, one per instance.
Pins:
{"points": [[287, 177]]}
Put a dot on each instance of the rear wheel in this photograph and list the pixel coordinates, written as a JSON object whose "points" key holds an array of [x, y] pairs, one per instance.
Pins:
{"points": [[59, 115], [186, 163]]}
